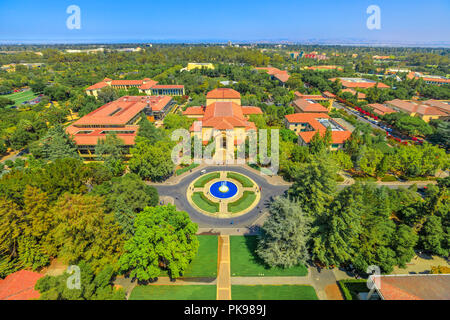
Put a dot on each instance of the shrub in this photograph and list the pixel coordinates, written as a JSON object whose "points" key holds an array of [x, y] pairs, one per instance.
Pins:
{"points": [[351, 288]]}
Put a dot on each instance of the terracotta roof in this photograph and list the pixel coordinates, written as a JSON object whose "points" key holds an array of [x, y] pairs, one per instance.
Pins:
{"points": [[247, 110], [20, 286], [225, 115], [329, 94], [223, 93], [308, 96], [380, 109], [309, 106], [445, 107], [127, 82], [360, 94], [97, 86], [122, 110], [337, 137], [194, 111], [415, 107], [414, 287], [359, 83], [148, 85], [90, 136], [281, 75]]}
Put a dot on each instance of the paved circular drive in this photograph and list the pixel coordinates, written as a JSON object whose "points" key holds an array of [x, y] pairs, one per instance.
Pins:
{"points": [[179, 190]]}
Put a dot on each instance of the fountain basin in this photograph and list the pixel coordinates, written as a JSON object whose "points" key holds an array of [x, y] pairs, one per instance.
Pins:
{"points": [[223, 190]]}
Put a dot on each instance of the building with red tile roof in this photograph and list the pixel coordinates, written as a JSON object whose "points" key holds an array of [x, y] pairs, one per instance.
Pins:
{"points": [[428, 79], [308, 106], [223, 94], [222, 114], [120, 117], [306, 125], [276, 74], [147, 86], [380, 109], [417, 108], [325, 68], [361, 96], [359, 83], [20, 286], [410, 287]]}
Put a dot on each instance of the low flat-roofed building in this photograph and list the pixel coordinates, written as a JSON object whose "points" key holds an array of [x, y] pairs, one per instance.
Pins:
{"points": [[443, 106], [306, 125], [147, 86], [416, 109], [410, 287], [120, 117], [380, 109], [359, 83]]}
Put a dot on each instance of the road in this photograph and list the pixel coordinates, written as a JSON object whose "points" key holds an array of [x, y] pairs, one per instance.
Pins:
{"points": [[178, 193], [338, 105]]}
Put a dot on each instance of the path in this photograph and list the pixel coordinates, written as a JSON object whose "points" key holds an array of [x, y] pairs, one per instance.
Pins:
{"points": [[223, 269]]}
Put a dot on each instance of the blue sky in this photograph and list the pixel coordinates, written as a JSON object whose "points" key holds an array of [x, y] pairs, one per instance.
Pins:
{"points": [[237, 20]]}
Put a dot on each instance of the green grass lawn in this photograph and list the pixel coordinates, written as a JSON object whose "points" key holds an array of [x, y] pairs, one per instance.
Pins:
{"points": [[205, 262], [267, 292], [206, 178], [167, 292], [246, 182], [204, 203], [245, 262], [20, 97], [242, 203]]}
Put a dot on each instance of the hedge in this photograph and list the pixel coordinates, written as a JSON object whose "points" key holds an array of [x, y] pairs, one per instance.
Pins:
{"points": [[246, 182], [242, 203], [204, 203], [206, 178], [351, 288]]}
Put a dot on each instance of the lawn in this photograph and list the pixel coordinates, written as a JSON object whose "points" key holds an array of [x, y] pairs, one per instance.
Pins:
{"points": [[204, 203], [205, 263], [245, 262], [176, 292], [273, 292], [246, 182], [20, 97], [242, 203], [206, 178]]}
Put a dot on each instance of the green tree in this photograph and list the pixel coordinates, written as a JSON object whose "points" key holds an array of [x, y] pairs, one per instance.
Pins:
{"points": [[57, 144], [111, 150], [84, 232], [164, 238], [125, 197], [151, 161], [92, 286], [284, 238]]}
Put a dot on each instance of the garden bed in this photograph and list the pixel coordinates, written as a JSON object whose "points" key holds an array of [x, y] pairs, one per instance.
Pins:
{"points": [[204, 203], [246, 182], [201, 182], [243, 202]]}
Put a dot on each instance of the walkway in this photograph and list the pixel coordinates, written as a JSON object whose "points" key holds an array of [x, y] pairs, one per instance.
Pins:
{"points": [[223, 269]]}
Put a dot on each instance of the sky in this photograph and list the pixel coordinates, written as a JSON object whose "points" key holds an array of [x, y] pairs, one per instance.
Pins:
{"points": [[415, 21]]}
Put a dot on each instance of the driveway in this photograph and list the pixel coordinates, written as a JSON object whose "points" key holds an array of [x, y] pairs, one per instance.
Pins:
{"points": [[178, 193]]}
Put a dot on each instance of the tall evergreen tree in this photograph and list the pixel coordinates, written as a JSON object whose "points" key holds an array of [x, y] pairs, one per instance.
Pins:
{"points": [[285, 235]]}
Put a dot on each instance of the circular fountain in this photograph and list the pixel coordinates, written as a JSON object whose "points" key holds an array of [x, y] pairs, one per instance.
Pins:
{"points": [[223, 189]]}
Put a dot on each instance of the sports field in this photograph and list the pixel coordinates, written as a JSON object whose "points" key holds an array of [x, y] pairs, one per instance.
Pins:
{"points": [[20, 97]]}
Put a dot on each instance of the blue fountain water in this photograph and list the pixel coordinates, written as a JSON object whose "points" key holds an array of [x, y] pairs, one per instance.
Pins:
{"points": [[223, 189]]}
